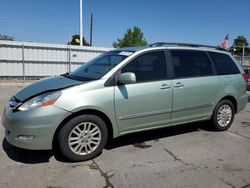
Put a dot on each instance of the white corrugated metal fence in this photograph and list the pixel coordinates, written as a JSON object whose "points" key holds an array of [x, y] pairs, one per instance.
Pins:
{"points": [[27, 59]]}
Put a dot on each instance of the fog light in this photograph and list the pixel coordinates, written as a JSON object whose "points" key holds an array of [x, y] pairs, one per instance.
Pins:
{"points": [[25, 137]]}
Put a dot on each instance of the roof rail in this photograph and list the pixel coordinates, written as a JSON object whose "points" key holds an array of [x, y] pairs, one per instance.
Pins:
{"points": [[157, 44]]}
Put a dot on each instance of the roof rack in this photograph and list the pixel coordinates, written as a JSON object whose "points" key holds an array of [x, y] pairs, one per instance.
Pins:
{"points": [[157, 44]]}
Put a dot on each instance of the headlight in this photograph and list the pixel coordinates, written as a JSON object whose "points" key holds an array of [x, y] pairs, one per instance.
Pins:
{"points": [[41, 100]]}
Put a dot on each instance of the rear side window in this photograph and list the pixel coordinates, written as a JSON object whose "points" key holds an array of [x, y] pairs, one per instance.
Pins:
{"points": [[187, 63], [224, 64], [148, 67]]}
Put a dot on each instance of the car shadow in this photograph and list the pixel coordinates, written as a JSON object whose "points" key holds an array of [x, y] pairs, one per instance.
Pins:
{"points": [[32, 156], [155, 135], [43, 156], [26, 156]]}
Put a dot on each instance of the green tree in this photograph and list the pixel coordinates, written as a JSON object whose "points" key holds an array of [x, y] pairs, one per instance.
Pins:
{"points": [[6, 37], [76, 41], [238, 42], [133, 37]]}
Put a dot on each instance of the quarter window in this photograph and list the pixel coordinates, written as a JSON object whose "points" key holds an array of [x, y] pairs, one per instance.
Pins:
{"points": [[148, 67], [224, 64], [187, 63]]}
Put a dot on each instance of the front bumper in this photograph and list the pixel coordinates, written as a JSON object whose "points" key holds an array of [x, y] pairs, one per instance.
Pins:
{"points": [[39, 125]]}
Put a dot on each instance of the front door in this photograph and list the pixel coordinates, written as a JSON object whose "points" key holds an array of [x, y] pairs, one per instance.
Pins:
{"points": [[148, 102]]}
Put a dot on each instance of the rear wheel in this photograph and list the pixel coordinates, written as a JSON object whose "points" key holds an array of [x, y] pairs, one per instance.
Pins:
{"points": [[83, 137], [223, 115]]}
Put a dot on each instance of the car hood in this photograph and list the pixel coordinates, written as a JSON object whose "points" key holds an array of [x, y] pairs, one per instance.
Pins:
{"points": [[45, 85]]}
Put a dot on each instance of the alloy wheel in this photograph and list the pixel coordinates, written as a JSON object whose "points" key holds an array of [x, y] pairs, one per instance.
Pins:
{"points": [[224, 115], [84, 138]]}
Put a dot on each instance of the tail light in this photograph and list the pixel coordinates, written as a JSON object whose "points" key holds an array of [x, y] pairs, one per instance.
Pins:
{"points": [[245, 77]]}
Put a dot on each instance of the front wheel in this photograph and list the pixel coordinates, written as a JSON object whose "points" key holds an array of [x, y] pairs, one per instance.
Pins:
{"points": [[83, 137], [223, 115]]}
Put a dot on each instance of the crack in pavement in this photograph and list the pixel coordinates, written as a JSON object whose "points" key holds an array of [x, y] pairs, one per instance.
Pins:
{"points": [[246, 186], [141, 145], [196, 167], [220, 178], [51, 186], [245, 123], [227, 183], [193, 166], [176, 158], [105, 175], [236, 133], [173, 155], [78, 165]]}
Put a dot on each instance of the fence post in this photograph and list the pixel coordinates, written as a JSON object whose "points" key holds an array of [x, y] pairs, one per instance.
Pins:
{"points": [[243, 56], [23, 62], [69, 58]]}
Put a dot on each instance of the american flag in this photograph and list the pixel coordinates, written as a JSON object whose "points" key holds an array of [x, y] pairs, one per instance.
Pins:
{"points": [[224, 43]]}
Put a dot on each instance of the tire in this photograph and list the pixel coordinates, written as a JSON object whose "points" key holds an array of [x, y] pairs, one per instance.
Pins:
{"points": [[83, 137], [223, 115]]}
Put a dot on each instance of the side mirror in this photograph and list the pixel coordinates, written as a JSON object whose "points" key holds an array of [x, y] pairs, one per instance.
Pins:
{"points": [[127, 78]]}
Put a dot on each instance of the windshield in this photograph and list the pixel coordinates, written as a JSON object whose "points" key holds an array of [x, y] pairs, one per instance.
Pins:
{"points": [[99, 66]]}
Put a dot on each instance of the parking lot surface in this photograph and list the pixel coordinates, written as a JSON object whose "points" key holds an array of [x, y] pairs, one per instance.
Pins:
{"points": [[189, 155]]}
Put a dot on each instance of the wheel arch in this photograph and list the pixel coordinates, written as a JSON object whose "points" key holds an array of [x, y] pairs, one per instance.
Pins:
{"points": [[98, 113], [232, 99]]}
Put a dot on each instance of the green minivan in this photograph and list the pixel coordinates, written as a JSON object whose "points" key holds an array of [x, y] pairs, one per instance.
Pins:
{"points": [[124, 91]]}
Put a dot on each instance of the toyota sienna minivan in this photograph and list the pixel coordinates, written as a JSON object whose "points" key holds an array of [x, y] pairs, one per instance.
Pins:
{"points": [[125, 91]]}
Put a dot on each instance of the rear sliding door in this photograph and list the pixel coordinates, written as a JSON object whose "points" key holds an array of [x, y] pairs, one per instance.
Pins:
{"points": [[195, 86]]}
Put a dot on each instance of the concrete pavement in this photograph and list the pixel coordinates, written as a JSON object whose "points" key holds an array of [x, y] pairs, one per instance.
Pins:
{"points": [[183, 156]]}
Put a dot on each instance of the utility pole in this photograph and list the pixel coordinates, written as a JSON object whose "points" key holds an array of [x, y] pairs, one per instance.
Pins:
{"points": [[91, 29], [243, 56], [233, 48], [81, 26]]}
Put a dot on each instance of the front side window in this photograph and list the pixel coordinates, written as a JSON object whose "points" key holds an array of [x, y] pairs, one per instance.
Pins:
{"points": [[148, 67], [188, 63], [224, 64], [98, 67]]}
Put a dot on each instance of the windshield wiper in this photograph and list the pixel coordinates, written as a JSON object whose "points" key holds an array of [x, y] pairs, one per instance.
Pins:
{"points": [[66, 75]]}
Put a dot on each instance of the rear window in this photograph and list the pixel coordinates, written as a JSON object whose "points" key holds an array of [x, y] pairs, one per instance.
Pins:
{"points": [[189, 63], [224, 64]]}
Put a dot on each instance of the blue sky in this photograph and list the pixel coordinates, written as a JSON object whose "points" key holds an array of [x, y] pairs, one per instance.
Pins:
{"points": [[195, 21]]}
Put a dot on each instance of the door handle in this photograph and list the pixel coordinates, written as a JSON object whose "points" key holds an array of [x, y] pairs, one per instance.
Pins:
{"points": [[165, 86], [178, 85]]}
